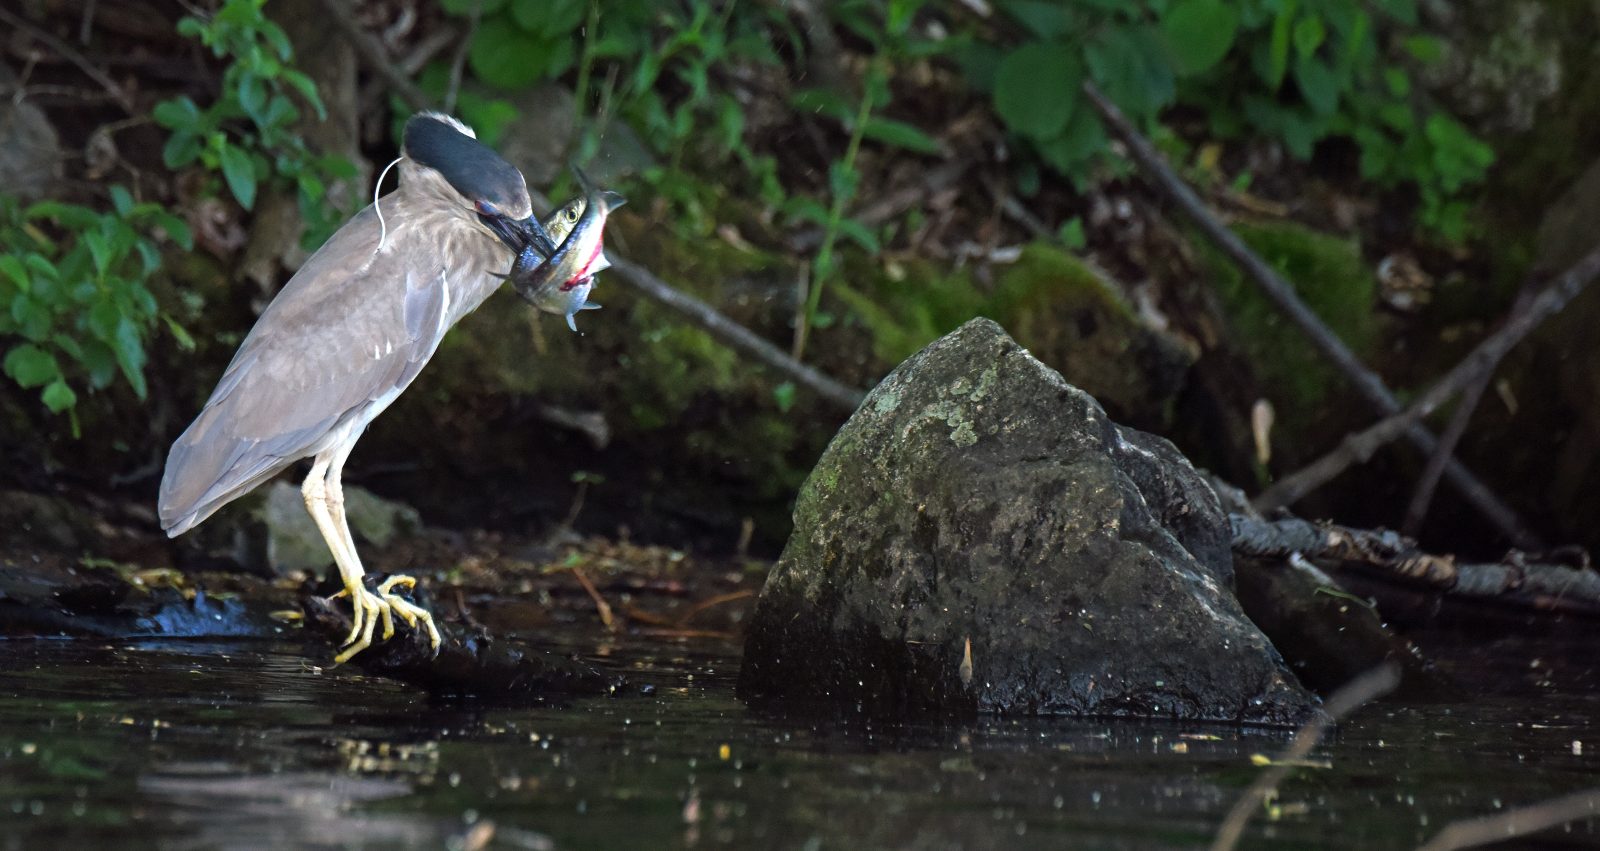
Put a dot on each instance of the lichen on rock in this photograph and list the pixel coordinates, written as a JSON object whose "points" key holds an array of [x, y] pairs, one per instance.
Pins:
{"points": [[981, 537]]}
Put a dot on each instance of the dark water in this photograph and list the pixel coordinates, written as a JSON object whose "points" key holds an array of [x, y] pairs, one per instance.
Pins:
{"points": [[247, 745]]}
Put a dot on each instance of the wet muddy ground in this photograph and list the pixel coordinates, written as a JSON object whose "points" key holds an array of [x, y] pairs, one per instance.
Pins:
{"points": [[248, 744]]}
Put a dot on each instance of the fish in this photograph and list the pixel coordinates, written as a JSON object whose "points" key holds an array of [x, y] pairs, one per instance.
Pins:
{"points": [[560, 282]]}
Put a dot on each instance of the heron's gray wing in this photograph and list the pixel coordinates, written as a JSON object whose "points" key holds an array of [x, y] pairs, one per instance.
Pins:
{"points": [[348, 332]]}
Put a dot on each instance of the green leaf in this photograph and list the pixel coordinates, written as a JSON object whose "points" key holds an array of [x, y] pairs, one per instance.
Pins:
{"points": [[129, 349], [1127, 63], [860, 234], [1072, 235], [901, 135], [806, 209], [1278, 49], [549, 18], [1199, 33], [99, 250], [31, 366], [508, 57], [1426, 48], [1318, 84], [1309, 33], [240, 173], [1036, 89], [121, 199], [826, 102], [177, 230], [58, 396], [307, 88], [1045, 20], [253, 98], [1082, 138], [13, 269], [464, 7], [181, 336], [175, 114], [783, 396], [181, 149], [1404, 11]]}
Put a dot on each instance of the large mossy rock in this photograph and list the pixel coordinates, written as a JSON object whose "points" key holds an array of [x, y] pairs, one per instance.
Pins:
{"points": [[980, 537]]}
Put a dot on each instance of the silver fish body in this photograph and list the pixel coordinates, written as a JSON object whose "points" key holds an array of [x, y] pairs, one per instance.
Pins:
{"points": [[561, 283]]}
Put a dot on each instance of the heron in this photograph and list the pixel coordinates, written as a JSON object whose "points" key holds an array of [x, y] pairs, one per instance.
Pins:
{"points": [[345, 337]]}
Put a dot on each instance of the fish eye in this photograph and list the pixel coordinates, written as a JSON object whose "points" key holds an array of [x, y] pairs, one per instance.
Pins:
{"points": [[572, 214]]}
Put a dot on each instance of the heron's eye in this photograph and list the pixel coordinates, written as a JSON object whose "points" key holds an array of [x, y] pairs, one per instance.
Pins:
{"points": [[486, 208]]}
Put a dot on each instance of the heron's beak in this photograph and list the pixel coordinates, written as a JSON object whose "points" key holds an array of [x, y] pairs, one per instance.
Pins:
{"points": [[510, 231]]}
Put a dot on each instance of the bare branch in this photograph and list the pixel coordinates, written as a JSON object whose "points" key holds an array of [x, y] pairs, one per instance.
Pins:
{"points": [[68, 53], [1359, 447], [1518, 822], [1428, 482], [1517, 580], [376, 55], [1352, 695], [1282, 295]]}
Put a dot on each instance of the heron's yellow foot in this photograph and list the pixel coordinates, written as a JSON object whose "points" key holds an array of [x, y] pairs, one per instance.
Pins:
{"points": [[367, 607], [408, 610]]}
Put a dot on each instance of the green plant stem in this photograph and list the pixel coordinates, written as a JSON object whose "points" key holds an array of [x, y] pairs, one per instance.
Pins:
{"points": [[824, 263], [586, 61]]}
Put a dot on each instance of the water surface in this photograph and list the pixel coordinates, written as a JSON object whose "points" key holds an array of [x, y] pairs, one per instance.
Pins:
{"points": [[250, 745]]}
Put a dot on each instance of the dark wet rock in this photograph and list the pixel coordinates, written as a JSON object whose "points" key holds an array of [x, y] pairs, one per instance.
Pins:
{"points": [[45, 521], [1326, 634], [470, 663], [977, 500]]}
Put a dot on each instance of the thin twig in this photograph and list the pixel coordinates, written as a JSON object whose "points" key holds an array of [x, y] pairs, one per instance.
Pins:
{"points": [[736, 336], [1360, 446], [71, 55], [459, 63], [1522, 821], [1428, 482], [713, 602], [1422, 496], [1282, 295], [376, 55], [600, 604], [1373, 684]]}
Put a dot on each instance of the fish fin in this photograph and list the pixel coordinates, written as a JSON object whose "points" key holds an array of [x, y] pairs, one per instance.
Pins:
{"points": [[589, 305], [612, 200], [571, 324]]}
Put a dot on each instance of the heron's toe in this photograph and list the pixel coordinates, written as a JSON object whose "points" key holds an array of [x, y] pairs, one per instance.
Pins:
{"points": [[369, 606]]}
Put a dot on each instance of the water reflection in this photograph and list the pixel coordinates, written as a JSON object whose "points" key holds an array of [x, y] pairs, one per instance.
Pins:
{"points": [[248, 746]]}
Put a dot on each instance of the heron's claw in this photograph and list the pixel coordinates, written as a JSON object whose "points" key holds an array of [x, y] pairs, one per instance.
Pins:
{"points": [[367, 607]]}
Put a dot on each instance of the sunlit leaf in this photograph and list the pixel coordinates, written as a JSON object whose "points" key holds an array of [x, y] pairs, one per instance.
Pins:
{"points": [[58, 396], [31, 366], [240, 173], [1199, 33]]}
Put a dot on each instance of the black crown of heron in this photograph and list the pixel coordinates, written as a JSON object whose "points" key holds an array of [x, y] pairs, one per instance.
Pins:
{"points": [[346, 335]]}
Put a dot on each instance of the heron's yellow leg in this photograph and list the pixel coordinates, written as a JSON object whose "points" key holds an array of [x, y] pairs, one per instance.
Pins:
{"points": [[366, 607]]}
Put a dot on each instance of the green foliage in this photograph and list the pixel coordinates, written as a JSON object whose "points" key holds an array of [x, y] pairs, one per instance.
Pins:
{"points": [[248, 134], [75, 306], [1335, 282], [1297, 72]]}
